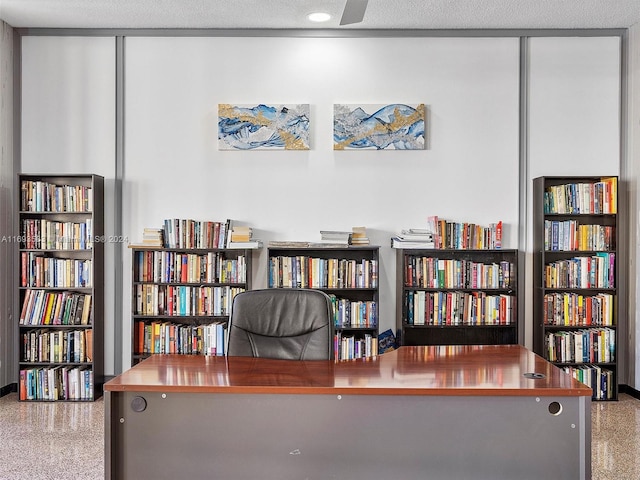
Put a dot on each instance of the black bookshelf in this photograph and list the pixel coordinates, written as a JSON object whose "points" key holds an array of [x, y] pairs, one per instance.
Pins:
{"points": [[181, 298], [457, 297], [576, 281], [61, 287], [349, 275]]}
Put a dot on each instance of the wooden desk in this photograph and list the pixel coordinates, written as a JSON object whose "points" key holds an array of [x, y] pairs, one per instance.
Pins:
{"points": [[433, 412]]}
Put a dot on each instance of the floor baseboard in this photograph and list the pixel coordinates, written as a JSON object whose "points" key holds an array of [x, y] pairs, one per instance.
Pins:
{"points": [[629, 391], [7, 389]]}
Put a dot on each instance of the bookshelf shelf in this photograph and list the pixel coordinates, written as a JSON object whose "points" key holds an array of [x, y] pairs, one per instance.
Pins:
{"points": [[457, 297], [60, 287], [575, 300], [181, 298], [349, 275]]}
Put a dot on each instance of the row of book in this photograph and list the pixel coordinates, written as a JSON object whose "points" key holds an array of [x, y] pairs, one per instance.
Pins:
{"points": [[174, 267], [583, 198], [433, 272], [593, 345], [57, 346], [355, 314], [569, 236], [311, 272], [596, 271], [40, 271], [40, 196], [601, 380], [168, 337], [52, 235], [463, 235], [188, 233], [40, 307], [182, 300], [350, 347], [570, 309], [57, 383], [185, 233], [459, 308]]}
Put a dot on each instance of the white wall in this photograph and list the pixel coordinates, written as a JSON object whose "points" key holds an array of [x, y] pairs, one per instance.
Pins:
{"points": [[574, 117], [469, 172], [68, 125], [574, 106]]}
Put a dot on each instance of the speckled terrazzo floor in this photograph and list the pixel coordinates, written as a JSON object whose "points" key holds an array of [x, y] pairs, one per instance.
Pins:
{"points": [[51, 441], [615, 439], [56, 441]]}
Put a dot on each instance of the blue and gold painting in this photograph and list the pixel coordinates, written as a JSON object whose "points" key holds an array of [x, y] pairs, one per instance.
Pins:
{"points": [[263, 127], [396, 126]]}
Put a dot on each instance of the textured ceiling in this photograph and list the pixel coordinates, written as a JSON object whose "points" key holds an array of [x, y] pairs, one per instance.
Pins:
{"points": [[380, 14]]}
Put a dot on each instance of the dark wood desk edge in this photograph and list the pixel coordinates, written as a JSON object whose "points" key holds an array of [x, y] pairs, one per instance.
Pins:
{"points": [[527, 388], [425, 392]]}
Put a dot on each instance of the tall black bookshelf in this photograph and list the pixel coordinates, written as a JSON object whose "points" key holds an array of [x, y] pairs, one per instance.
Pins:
{"points": [[576, 281], [457, 297], [349, 275], [60, 287]]}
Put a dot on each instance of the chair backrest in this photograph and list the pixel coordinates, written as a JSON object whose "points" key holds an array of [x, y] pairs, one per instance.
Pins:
{"points": [[293, 324]]}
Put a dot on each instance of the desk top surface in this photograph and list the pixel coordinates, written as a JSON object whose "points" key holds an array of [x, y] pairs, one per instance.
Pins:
{"points": [[471, 370]]}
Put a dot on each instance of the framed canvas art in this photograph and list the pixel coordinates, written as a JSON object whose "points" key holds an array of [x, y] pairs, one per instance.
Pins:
{"points": [[263, 127], [395, 126]]}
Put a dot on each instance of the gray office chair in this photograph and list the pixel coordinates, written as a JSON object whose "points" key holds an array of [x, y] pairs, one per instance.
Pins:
{"points": [[293, 324]]}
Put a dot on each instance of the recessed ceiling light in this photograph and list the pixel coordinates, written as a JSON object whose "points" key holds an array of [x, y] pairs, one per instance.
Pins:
{"points": [[319, 17]]}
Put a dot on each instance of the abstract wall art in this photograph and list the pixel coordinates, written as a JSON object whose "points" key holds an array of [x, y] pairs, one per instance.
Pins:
{"points": [[263, 127], [395, 126]]}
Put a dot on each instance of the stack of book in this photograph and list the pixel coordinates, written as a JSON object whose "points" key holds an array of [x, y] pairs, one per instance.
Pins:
{"points": [[335, 237], [242, 237], [359, 236], [413, 238], [153, 237]]}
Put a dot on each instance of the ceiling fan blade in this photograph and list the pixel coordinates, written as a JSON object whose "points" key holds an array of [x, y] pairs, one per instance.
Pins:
{"points": [[353, 11]]}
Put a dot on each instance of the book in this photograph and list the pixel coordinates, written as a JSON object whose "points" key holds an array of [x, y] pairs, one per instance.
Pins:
{"points": [[397, 242], [26, 305], [413, 234], [153, 237], [85, 318], [386, 341], [23, 384], [77, 314], [335, 236], [225, 233], [289, 243], [241, 233], [245, 244], [414, 238], [359, 236]]}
